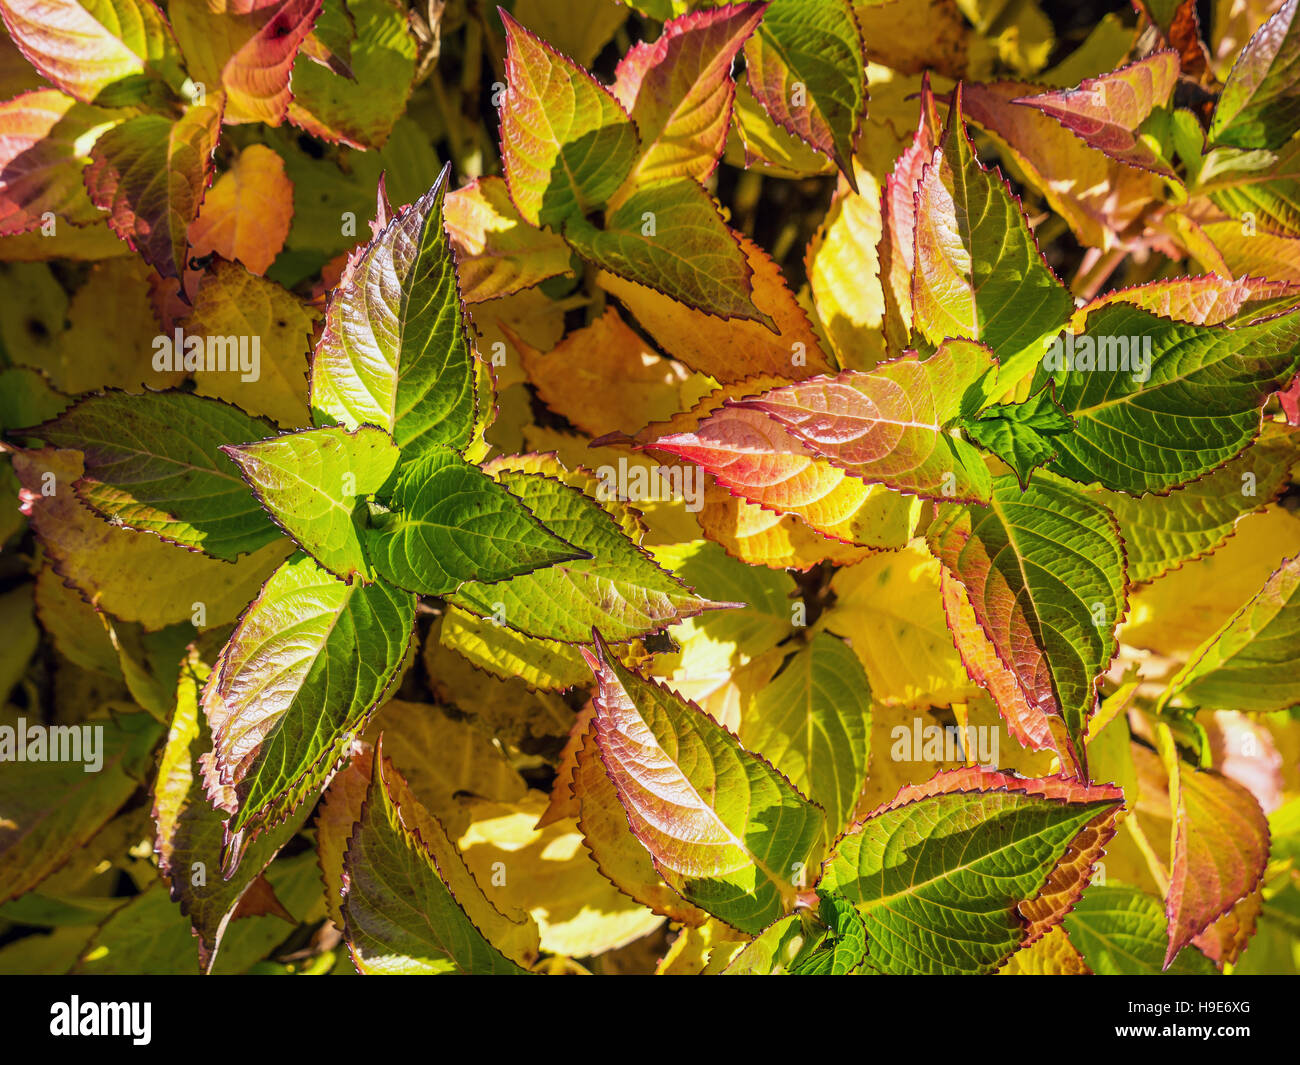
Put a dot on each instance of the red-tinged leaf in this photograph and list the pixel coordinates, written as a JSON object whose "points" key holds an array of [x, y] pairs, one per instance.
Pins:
{"points": [[1102, 200], [566, 142], [887, 425], [898, 221], [1044, 571], [150, 175], [671, 237], [725, 830], [1205, 300], [1260, 102], [1224, 940], [754, 457], [978, 271], [807, 67], [954, 875], [256, 78], [1219, 845], [679, 90], [105, 52], [1290, 401], [45, 140], [497, 252], [1106, 111]]}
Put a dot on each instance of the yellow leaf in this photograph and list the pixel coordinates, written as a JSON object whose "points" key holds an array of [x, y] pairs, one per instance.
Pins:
{"points": [[889, 609], [246, 214], [549, 873], [1053, 955]]}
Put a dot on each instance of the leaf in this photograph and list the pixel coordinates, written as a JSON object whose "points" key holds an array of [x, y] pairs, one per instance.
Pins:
{"points": [[754, 457], [141, 472], [50, 809], [619, 855], [1021, 433], [889, 609], [844, 276], [566, 143], [232, 304], [288, 694], [311, 483], [617, 587], [543, 665], [133, 577], [362, 110], [395, 353], [105, 52], [1163, 532], [451, 523], [813, 721], [669, 236], [1249, 664], [939, 874], [604, 377], [978, 270], [844, 950], [725, 830], [1260, 102], [150, 175], [256, 77], [190, 830], [1133, 435], [1044, 571], [1107, 111], [679, 91], [1121, 931], [497, 252], [886, 426], [1053, 955], [44, 146], [246, 214], [807, 67], [1205, 300], [399, 910], [735, 349]]}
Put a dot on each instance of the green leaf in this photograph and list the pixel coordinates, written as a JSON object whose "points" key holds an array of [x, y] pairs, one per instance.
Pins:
{"points": [[844, 951], [1162, 532], [312, 482], [104, 52], [813, 722], [566, 143], [940, 873], [1020, 433], [669, 236], [394, 352], [978, 271], [1120, 931], [150, 175], [190, 830], [807, 67], [399, 911], [1044, 571], [1158, 403], [618, 588], [50, 808], [154, 463], [451, 523], [725, 830], [308, 663], [1260, 103], [1250, 663]]}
